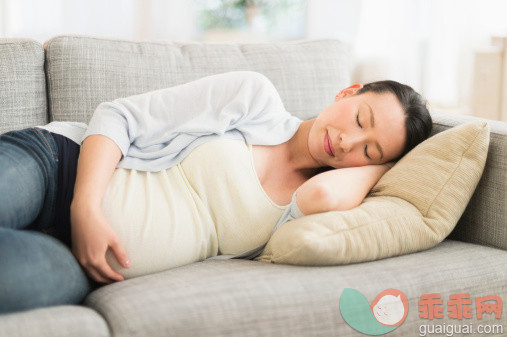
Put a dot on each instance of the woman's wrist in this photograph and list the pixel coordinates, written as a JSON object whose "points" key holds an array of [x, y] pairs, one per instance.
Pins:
{"points": [[84, 205]]}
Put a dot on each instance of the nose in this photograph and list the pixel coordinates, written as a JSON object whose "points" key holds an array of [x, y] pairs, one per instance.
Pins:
{"points": [[349, 141]]}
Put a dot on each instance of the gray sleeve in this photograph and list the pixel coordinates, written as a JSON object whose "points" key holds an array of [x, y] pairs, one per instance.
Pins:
{"points": [[291, 212]]}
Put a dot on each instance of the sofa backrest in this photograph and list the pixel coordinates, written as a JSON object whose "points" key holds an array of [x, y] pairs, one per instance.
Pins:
{"points": [[22, 83], [83, 71]]}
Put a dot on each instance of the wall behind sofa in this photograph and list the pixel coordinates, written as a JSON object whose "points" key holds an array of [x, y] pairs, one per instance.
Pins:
{"points": [[428, 44]]}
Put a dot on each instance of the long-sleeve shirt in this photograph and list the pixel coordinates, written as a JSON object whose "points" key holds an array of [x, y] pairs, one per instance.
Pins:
{"points": [[158, 129]]}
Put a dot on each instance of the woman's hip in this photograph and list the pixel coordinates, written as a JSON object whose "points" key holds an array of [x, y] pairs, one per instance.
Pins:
{"points": [[28, 178]]}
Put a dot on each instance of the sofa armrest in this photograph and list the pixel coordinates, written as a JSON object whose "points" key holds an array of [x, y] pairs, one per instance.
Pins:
{"points": [[484, 220]]}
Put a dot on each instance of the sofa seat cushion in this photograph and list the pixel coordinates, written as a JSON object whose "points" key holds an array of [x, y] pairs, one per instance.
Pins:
{"points": [[63, 320], [244, 297]]}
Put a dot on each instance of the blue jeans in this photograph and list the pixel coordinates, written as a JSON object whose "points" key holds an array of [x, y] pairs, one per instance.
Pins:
{"points": [[36, 269]]}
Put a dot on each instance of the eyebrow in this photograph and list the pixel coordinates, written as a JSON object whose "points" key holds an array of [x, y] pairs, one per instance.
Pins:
{"points": [[372, 121]]}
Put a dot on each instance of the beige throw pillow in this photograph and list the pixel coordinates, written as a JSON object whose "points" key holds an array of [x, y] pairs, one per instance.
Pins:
{"points": [[413, 207]]}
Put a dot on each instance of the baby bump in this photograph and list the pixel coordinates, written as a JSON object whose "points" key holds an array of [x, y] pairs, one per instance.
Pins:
{"points": [[159, 220]]}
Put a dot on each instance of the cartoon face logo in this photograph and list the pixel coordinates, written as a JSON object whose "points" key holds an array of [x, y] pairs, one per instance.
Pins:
{"points": [[390, 307], [386, 312]]}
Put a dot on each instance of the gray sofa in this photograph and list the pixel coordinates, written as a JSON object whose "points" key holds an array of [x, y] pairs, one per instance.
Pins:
{"points": [[70, 75]]}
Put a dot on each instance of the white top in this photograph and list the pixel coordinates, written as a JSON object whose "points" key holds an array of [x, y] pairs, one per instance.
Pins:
{"points": [[211, 203], [156, 131]]}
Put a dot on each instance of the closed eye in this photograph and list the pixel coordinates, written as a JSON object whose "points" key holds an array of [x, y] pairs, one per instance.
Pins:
{"points": [[366, 147], [357, 119]]}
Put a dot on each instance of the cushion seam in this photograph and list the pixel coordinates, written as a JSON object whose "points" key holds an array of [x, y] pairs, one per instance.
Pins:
{"points": [[448, 126], [176, 43], [425, 214]]}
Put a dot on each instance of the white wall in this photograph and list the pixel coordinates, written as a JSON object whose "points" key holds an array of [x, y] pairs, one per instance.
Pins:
{"points": [[427, 44], [122, 19]]}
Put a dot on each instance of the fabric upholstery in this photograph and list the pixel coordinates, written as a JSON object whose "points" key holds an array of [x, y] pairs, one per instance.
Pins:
{"points": [[83, 72], [23, 94], [249, 298], [485, 218], [413, 207], [239, 297], [58, 321]]}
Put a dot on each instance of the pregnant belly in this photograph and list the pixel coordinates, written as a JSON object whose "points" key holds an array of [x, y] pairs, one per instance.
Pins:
{"points": [[159, 220]]}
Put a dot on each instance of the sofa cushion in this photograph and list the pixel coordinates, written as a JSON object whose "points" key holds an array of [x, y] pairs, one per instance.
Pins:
{"points": [[83, 72], [413, 207], [485, 218], [244, 297], [23, 94], [63, 320]]}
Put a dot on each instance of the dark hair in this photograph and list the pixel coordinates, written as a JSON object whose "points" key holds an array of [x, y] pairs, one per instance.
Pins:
{"points": [[418, 121]]}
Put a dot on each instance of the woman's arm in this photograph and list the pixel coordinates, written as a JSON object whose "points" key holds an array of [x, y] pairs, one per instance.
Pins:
{"points": [[91, 234], [338, 189], [97, 161]]}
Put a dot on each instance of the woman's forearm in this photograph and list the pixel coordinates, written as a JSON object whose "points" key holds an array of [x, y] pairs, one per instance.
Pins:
{"points": [[349, 187], [91, 235], [339, 189], [97, 161]]}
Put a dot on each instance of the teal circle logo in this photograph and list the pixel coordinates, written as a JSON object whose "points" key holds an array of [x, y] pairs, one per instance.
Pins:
{"points": [[387, 311]]}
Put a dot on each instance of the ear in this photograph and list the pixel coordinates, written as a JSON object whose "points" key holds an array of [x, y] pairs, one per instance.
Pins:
{"points": [[347, 91]]}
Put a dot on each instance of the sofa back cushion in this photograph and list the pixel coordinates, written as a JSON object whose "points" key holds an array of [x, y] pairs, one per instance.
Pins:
{"points": [[23, 94], [83, 71]]}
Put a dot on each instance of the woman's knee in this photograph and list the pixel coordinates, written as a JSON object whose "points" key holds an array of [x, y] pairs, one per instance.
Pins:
{"points": [[38, 271]]}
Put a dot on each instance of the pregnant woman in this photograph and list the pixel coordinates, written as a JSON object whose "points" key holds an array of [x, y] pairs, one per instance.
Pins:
{"points": [[206, 169]]}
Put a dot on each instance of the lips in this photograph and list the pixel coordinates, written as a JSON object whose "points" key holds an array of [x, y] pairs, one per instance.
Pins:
{"points": [[327, 145]]}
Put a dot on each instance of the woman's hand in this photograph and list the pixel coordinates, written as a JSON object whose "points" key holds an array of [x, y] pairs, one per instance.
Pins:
{"points": [[91, 234], [91, 237]]}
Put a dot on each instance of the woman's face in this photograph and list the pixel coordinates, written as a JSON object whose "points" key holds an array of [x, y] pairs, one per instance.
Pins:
{"points": [[358, 130]]}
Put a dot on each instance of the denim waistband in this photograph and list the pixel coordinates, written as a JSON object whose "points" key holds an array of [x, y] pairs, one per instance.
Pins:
{"points": [[46, 220], [48, 140]]}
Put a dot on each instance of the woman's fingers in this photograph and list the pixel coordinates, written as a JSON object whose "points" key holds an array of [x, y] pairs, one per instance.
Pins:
{"points": [[97, 277], [100, 271], [105, 271], [120, 253]]}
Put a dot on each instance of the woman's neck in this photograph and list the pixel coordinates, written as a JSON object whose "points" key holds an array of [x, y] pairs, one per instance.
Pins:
{"points": [[297, 153]]}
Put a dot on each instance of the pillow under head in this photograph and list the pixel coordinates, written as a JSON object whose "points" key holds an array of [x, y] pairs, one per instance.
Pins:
{"points": [[413, 207]]}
